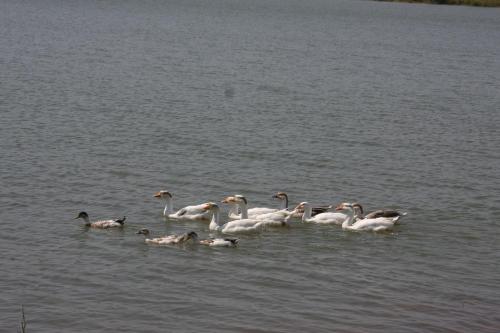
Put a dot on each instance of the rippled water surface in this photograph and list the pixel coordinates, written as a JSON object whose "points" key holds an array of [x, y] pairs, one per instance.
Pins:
{"points": [[104, 103]]}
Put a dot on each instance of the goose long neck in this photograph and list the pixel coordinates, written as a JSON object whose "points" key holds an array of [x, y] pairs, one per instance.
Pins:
{"points": [[307, 213], [350, 217], [244, 210], [358, 213], [214, 223], [169, 206], [284, 203], [233, 210]]}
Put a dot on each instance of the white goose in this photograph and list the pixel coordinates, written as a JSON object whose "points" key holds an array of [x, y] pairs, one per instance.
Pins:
{"points": [[253, 212], [242, 225], [192, 213], [366, 224], [170, 239], [257, 213], [103, 224], [297, 213], [321, 218], [378, 213]]}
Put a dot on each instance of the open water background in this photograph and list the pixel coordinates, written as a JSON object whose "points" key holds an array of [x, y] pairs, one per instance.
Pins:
{"points": [[104, 103]]}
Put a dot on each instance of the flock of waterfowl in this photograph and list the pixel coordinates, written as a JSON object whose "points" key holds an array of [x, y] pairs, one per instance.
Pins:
{"points": [[243, 219]]}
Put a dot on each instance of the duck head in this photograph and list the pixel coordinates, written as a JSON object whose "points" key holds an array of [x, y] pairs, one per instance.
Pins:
{"points": [[192, 235], [82, 215]]}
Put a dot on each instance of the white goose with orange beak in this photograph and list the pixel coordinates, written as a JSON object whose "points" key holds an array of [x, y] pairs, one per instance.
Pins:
{"points": [[322, 218], [238, 226], [256, 211], [188, 213], [241, 202], [366, 224]]}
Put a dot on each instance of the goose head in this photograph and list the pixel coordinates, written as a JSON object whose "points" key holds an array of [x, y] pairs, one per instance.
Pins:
{"points": [[229, 200], [208, 206], [280, 195], [162, 194], [301, 206], [283, 197], [358, 206], [345, 206], [240, 198], [235, 199]]}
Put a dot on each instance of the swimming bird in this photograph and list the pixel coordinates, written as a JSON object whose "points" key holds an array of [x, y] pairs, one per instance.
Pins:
{"points": [[241, 202], [365, 224], [192, 213], [220, 242], [253, 212], [380, 213], [298, 212], [169, 239], [322, 218], [236, 226], [103, 224], [260, 213]]}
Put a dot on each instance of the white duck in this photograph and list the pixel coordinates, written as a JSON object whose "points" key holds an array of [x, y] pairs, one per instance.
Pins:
{"points": [[321, 218], [366, 224], [253, 212], [242, 225], [258, 213], [103, 224], [192, 213], [170, 239]]}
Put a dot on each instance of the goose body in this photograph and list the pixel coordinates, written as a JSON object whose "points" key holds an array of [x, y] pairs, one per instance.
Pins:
{"points": [[256, 211], [321, 218], [237, 226], [297, 212], [169, 239], [386, 213], [366, 224], [189, 213], [241, 202], [102, 224]]}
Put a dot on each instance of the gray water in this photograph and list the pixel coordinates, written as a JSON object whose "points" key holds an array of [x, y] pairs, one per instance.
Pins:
{"points": [[103, 103]]}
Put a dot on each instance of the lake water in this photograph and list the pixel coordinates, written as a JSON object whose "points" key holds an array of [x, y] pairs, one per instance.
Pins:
{"points": [[103, 103]]}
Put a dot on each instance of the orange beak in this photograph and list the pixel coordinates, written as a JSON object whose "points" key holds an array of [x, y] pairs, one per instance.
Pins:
{"points": [[157, 195], [340, 207], [206, 206]]}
